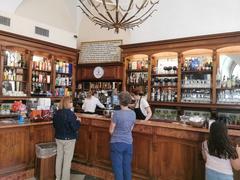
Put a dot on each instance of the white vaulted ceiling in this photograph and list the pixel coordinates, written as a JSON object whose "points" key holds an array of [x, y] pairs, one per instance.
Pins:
{"points": [[9, 5], [57, 13]]}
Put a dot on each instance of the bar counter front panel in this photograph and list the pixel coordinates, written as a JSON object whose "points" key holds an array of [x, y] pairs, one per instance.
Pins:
{"points": [[165, 151], [161, 150]]}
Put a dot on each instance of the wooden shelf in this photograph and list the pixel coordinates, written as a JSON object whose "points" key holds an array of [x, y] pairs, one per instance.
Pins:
{"points": [[40, 83], [196, 105], [137, 70], [196, 88], [15, 67], [41, 71], [197, 72], [8, 115], [63, 86], [164, 75], [69, 74], [16, 81], [165, 86], [228, 88], [137, 84]]}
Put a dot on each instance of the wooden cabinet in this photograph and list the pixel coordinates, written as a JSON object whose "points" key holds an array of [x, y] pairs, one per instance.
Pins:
{"points": [[205, 77], [100, 149], [18, 146], [83, 144], [111, 72], [14, 149], [28, 66]]}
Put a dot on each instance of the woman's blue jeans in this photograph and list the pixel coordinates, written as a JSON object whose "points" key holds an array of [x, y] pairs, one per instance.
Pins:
{"points": [[214, 175], [121, 156]]}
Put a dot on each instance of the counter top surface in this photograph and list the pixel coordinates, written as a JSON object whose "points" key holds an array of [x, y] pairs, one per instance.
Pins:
{"points": [[27, 123], [173, 125]]}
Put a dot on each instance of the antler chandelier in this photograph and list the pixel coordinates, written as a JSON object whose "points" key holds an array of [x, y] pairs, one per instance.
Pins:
{"points": [[111, 14]]}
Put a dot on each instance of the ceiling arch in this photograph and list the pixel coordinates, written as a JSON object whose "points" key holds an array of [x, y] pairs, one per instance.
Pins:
{"points": [[56, 13], [10, 6]]}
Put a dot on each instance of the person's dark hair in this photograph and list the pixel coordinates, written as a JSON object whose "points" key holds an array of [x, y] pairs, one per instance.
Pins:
{"points": [[124, 98], [137, 91], [219, 143]]}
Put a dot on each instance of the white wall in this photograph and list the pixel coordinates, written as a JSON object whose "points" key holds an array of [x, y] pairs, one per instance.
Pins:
{"points": [[91, 32], [184, 18], [26, 27], [59, 13]]}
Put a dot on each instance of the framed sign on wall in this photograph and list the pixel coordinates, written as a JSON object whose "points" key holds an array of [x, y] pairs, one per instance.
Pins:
{"points": [[100, 52]]}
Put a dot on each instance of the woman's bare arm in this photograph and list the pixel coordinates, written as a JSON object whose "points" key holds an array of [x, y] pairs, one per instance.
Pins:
{"points": [[112, 127]]}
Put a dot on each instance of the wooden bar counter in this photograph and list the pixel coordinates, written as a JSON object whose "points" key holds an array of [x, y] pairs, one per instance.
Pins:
{"points": [[163, 151], [17, 147]]}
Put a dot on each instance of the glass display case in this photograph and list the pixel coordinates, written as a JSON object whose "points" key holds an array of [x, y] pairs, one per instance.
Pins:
{"points": [[41, 75], [164, 77], [63, 81], [228, 76], [15, 75], [196, 75], [137, 72]]}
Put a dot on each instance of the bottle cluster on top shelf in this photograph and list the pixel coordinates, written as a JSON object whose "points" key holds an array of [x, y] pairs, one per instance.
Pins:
{"points": [[164, 70], [14, 70], [63, 81], [138, 65], [63, 67], [41, 64], [197, 63]]}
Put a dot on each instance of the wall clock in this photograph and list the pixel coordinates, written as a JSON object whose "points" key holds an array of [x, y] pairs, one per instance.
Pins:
{"points": [[98, 72]]}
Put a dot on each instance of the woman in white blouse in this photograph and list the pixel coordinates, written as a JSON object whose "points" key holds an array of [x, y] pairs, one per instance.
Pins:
{"points": [[90, 103], [220, 155]]}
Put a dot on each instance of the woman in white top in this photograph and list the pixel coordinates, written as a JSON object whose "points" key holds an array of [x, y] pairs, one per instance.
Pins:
{"points": [[90, 103], [141, 107], [219, 154]]}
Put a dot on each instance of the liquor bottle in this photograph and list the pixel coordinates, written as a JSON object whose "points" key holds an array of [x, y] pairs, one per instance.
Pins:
{"points": [[67, 68], [33, 76], [36, 79], [57, 67], [63, 67], [158, 95], [153, 95], [14, 75]]}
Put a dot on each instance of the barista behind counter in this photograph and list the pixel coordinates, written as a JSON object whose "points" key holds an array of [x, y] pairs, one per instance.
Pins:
{"points": [[90, 103]]}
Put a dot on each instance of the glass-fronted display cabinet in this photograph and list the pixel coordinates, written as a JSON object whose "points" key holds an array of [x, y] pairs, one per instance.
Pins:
{"points": [[228, 76], [196, 75], [164, 77], [137, 72], [41, 75], [15, 72], [63, 78]]}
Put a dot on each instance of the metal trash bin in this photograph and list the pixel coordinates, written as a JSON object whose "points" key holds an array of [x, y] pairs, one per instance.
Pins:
{"points": [[45, 161]]}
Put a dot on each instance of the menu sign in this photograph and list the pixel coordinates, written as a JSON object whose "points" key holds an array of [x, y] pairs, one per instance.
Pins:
{"points": [[100, 51]]}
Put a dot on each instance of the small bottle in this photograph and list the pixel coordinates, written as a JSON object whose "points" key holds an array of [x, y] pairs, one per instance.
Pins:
{"points": [[229, 83]]}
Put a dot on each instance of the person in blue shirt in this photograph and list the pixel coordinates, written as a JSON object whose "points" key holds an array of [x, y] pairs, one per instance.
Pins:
{"points": [[121, 138], [66, 126]]}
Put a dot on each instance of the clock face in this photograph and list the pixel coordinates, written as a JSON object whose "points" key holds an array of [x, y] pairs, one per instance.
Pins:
{"points": [[98, 72]]}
